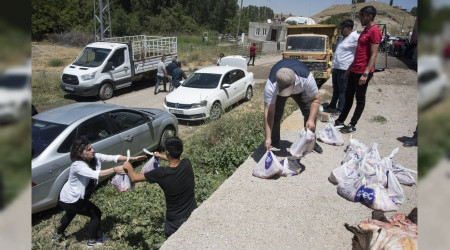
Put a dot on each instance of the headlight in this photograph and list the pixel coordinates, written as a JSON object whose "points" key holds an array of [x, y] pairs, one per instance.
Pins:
{"points": [[88, 76], [200, 104]]}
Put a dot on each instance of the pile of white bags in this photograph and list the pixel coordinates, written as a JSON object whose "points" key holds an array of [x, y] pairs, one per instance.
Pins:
{"points": [[269, 166], [330, 135], [367, 178]]}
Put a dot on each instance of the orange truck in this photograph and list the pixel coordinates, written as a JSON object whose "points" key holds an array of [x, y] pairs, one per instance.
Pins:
{"points": [[312, 45]]}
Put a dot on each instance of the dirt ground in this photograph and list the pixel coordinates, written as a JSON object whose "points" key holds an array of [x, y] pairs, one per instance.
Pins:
{"points": [[305, 211]]}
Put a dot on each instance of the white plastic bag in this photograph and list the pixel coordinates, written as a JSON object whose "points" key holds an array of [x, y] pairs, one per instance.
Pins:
{"points": [[291, 167], [347, 170], [150, 165], [268, 166], [372, 155], [122, 182], [375, 196], [355, 149], [394, 189], [330, 135], [350, 186], [304, 143], [404, 175]]}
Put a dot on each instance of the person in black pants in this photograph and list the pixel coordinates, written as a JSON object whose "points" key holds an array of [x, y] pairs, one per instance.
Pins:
{"points": [[361, 70], [75, 194], [177, 182]]}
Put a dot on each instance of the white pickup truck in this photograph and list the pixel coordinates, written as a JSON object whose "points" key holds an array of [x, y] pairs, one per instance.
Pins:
{"points": [[103, 67]]}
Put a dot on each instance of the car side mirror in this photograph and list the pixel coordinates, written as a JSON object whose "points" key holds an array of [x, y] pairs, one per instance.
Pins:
{"points": [[109, 66], [226, 85]]}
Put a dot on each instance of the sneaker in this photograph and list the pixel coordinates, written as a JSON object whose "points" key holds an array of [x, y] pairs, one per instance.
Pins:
{"points": [[338, 123], [97, 242], [329, 109], [275, 149], [348, 129], [410, 142], [56, 237], [317, 148]]}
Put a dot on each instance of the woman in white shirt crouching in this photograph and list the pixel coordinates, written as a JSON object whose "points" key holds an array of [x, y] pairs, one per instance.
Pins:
{"points": [[83, 177]]}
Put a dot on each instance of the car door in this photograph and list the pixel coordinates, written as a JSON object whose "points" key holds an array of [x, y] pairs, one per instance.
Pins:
{"points": [[101, 135], [240, 83], [226, 94], [121, 74], [235, 86], [134, 129]]}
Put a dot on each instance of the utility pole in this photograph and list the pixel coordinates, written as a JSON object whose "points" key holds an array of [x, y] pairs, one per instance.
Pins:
{"points": [[239, 22], [353, 13], [102, 20]]}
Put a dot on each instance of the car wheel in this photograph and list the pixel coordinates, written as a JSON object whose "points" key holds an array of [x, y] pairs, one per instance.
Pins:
{"points": [[216, 111], [168, 132], [249, 94], [106, 91]]}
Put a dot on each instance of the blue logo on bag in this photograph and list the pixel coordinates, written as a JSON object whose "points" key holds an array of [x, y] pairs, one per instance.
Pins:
{"points": [[365, 195], [156, 163], [269, 160]]}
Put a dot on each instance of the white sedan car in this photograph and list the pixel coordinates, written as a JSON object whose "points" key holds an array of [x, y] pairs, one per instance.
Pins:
{"points": [[208, 91], [433, 81]]}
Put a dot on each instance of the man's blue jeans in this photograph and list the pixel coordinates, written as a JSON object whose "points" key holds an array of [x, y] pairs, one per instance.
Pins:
{"points": [[339, 86], [158, 80]]}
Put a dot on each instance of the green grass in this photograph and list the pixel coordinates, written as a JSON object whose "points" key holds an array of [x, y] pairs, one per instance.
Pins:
{"points": [[55, 62], [46, 89], [379, 118], [16, 158], [135, 219]]}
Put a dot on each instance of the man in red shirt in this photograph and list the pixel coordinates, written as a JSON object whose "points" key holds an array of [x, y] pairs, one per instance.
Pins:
{"points": [[252, 54], [361, 70]]}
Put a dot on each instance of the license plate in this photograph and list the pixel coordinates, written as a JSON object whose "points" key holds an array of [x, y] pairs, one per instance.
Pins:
{"points": [[69, 88], [176, 111]]}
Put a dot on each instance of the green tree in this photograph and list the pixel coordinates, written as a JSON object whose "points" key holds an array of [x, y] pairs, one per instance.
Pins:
{"points": [[391, 2], [413, 11]]}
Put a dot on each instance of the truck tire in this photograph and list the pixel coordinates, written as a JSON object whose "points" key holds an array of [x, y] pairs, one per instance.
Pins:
{"points": [[106, 91]]}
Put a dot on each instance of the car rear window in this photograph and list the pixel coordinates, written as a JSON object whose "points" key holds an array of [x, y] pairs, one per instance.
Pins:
{"points": [[42, 135]]}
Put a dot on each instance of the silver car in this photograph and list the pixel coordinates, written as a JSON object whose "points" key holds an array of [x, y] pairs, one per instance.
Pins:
{"points": [[112, 129]]}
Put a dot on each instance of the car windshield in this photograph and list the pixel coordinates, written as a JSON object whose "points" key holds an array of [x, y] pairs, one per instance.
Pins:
{"points": [[202, 81], [91, 57], [13, 81], [42, 134], [306, 43]]}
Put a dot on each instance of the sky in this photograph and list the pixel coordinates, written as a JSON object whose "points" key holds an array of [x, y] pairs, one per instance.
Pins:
{"points": [[311, 7]]}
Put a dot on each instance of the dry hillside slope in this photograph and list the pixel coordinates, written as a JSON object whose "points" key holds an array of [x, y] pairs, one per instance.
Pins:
{"points": [[386, 14]]}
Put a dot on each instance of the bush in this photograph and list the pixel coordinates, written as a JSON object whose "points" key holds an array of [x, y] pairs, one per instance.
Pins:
{"points": [[55, 62], [72, 38]]}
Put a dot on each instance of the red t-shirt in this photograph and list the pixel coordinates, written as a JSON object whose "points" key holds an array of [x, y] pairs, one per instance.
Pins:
{"points": [[370, 35], [252, 50]]}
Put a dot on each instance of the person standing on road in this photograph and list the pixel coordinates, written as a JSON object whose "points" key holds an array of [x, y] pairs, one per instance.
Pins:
{"points": [[177, 182], [161, 74], [361, 70], [343, 57], [178, 75], [83, 178], [220, 59], [289, 78], [169, 69], [252, 54]]}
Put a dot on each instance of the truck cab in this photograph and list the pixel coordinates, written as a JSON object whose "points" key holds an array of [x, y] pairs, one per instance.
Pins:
{"points": [[103, 67], [312, 45], [99, 69]]}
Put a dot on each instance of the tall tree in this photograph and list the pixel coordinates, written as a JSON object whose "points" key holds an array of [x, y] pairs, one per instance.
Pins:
{"points": [[391, 2]]}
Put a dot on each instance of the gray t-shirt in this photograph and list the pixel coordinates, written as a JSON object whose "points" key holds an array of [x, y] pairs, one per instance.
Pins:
{"points": [[160, 69]]}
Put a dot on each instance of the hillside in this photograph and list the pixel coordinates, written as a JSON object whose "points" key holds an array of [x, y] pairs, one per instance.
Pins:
{"points": [[386, 14]]}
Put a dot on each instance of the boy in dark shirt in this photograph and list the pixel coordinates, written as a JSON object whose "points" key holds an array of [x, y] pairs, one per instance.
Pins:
{"points": [[177, 182]]}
